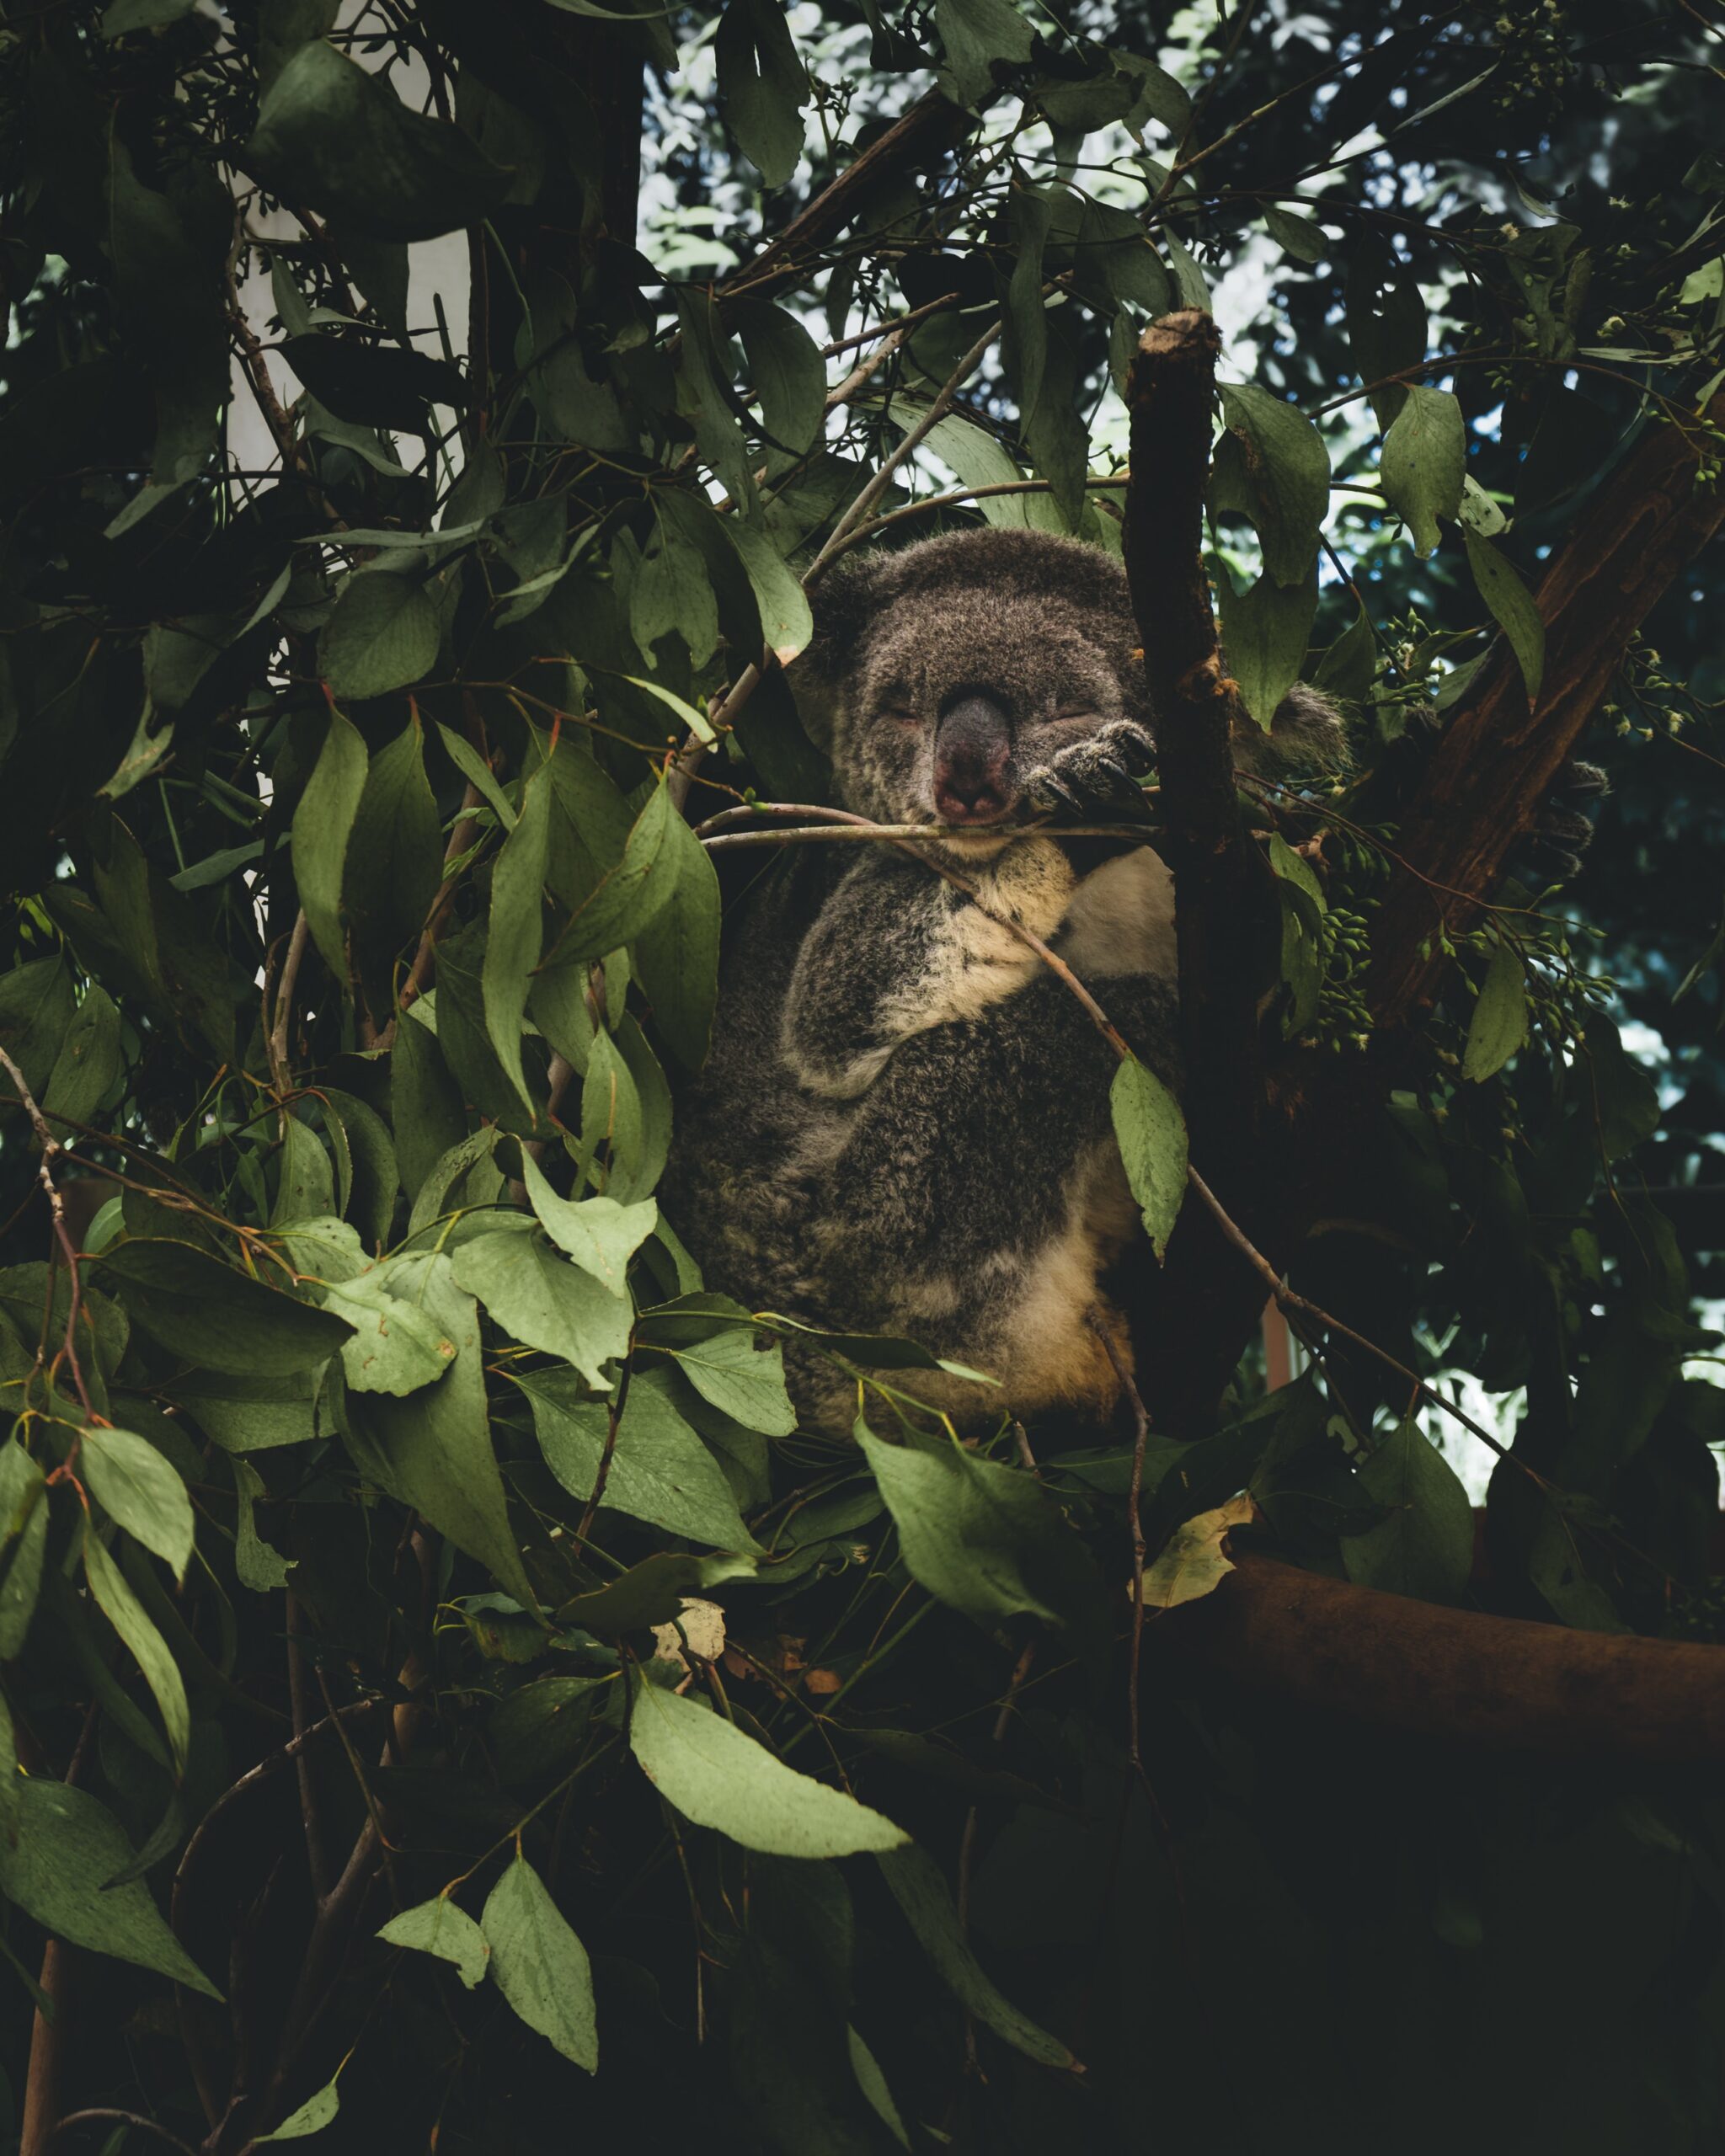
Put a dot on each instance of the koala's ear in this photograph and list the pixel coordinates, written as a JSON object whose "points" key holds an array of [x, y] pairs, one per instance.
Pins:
{"points": [[845, 602]]}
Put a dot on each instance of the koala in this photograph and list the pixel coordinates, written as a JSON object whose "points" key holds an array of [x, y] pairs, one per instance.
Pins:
{"points": [[904, 1126]]}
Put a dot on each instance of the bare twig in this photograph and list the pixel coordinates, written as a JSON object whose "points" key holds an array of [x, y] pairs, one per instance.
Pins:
{"points": [[284, 1007], [52, 1150], [612, 1424]]}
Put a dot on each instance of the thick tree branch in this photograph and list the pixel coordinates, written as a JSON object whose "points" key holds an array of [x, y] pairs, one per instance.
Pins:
{"points": [[1499, 757], [1221, 886], [1457, 1675]]}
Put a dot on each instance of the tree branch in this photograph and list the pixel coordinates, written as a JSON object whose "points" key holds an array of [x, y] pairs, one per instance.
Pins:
{"points": [[1458, 1675], [1499, 757], [1222, 892]]}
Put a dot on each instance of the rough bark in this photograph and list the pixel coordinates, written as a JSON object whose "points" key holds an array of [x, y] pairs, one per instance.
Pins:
{"points": [[1499, 757], [1501, 1683]]}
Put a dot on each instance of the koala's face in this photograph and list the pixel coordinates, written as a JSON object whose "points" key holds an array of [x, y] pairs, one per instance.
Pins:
{"points": [[952, 670]]}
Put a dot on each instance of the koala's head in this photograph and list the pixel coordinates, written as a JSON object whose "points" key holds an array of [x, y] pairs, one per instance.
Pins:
{"points": [[939, 676]]}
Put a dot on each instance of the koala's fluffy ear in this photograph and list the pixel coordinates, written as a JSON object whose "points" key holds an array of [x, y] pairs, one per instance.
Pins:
{"points": [[845, 602]]}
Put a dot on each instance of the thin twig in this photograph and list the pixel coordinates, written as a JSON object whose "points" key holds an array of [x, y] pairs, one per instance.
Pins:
{"points": [[284, 1005], [53, 1151], [1134, 1515], [100, 2114], [600, 1479]]}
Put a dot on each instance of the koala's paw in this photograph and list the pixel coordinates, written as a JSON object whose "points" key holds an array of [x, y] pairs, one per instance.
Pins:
{"points": [[1096, 779]]}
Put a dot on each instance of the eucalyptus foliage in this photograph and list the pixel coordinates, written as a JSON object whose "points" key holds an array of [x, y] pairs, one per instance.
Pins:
{"points": [[444, 1694]]}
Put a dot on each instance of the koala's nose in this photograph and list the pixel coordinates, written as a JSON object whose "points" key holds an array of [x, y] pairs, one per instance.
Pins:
{"points": [[972, 747]]}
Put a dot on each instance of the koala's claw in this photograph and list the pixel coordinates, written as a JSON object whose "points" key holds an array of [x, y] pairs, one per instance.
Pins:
{"points": [[1097, 777]]}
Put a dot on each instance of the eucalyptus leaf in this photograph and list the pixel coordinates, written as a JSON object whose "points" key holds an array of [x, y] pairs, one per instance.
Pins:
{"points": [[539, 1965]]}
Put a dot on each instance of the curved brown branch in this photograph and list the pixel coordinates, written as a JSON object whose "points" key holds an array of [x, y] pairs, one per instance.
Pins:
{"points": [[1463, 1677], [1498, 758]]}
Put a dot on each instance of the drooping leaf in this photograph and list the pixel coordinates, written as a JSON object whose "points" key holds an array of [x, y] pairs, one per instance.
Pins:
{"points": [[651, 1592], [1266, 628], [215, 1317], [539, 1965], [147, 1648], [140, 1491], [394, 855], [432, 1449], [539, 1297], [707, 1769], [762, 85], [986, 1538], [90, 1062], [259, 1566], [24, 1538], [335, 137], [516, 921], [1151, 1134], [601, 1236], [67, 1845], [786, 369], [622, 903], [443, 1928], [397, 1346], [920, 1889], [1425, 1547], [978, 36], [743, 1381], [322, 825], [660, 1470], [1424, 462], [1512, 605], [1272, 467], [1500, 1019], [383, 635]]}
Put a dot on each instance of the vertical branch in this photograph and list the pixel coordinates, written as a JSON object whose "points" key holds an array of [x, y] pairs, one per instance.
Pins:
{"points": [[1221, 887]]}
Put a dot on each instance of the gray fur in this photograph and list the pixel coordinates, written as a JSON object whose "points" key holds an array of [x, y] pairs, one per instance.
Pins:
{"points": [[904, 1125]]}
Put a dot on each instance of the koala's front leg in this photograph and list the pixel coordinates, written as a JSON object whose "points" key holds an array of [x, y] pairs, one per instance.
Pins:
{"points": [[897, 950]]}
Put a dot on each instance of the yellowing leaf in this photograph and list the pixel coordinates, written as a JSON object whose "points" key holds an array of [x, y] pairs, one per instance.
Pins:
{"points": [[1194, 1562]]}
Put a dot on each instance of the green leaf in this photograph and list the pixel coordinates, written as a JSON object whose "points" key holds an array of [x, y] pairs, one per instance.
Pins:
{"points": [[628, 895], [312, 2118], [1424, 462], [433, 1449], [762, 85], [988, 1540], [978, 36], [67, 1844], [425, 1109], [1512, 605], [1625, 1101], [920, 1889], [676, 954], [1499, 1024], [660, 1471], [37, 1009], [1272, 467], [652, 1592], [383, 634], [1303, 238], [322, 825], [441, 1927], [141, 1492], [396, 1347], [707, 1769], [395, 854], [1194, 1562], [516, 923], [90, 1062], [260, 1566], [873, 2085], [335, 137], [601, 1236], [305, 1188], [214, 1317], [785, 622], [24, 1538], [1425, 1548], [745, 1382], [148, 1649], [1151, 1133], [539, 1965], [786, 369], [539, 1298], [1266, 628], [250, 1414]]}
